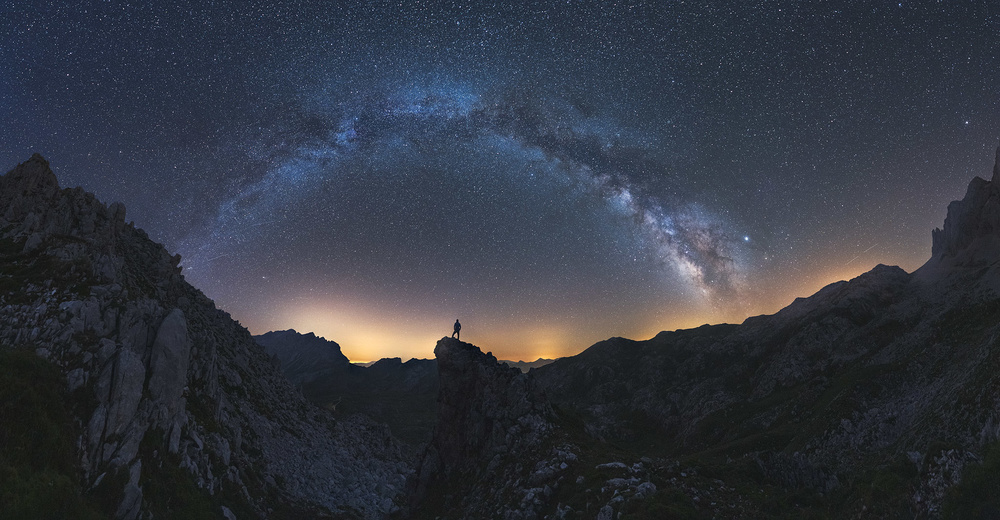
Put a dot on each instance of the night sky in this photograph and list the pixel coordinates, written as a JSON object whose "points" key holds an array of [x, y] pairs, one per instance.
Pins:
{"points": [[552, 174]]}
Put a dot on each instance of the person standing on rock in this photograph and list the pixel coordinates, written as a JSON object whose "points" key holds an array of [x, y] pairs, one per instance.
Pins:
{"points": [[458, 329]]}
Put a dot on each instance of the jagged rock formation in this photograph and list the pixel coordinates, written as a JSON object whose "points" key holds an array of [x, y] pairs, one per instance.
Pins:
{"points": [[971, 234], [494, 447], [177, 389], [304, 357]]}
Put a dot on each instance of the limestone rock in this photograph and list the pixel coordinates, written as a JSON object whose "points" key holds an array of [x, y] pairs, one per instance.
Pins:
{"points": [[169, 366], [491, 419], [125, 376], [110, 307], [132, 501]]}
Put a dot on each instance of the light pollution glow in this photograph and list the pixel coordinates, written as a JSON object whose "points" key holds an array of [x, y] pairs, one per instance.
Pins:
{"points": [[367, 332]]}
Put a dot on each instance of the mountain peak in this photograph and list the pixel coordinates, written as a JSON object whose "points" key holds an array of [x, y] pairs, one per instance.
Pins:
{"points": [[304, 357], [971, 232], [31, 178], [170, 387]]}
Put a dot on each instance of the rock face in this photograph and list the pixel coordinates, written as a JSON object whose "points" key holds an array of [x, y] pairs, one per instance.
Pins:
{"points": [[168, 367], [480, 402], [174, 385]]}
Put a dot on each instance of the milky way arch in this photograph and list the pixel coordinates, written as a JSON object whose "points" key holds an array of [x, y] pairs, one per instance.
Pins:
{"points": [[584, 152]]}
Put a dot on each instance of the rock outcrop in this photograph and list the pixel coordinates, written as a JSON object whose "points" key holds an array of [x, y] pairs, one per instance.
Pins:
{"points": [[174, 386], [493, 426]]}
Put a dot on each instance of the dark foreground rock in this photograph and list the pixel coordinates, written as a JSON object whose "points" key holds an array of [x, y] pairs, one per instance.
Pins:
{"points": [[174, 394], [493, 427]]}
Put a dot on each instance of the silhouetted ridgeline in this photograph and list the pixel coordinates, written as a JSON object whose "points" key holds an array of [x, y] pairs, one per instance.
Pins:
{"points": [[401, 395]]}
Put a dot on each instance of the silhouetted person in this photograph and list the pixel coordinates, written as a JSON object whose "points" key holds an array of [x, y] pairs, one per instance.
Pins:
{"points": [[458, 329]]}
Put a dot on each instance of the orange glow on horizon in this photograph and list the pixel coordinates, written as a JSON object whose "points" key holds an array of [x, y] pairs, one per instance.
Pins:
{"points": [[364, 335], [368, 332]]}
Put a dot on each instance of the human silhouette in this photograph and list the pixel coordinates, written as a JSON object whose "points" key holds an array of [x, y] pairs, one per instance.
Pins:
{"points": [[458, 330]]}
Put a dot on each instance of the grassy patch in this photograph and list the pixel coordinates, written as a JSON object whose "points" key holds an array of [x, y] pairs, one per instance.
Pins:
{"points": [[39, 476], [978, 494], [169, 490]]}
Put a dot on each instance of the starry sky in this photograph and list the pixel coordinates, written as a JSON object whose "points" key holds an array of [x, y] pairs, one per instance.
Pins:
{"points": [[551, 173]]}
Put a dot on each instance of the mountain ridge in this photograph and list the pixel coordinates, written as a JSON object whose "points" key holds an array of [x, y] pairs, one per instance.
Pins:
{"points": [[176, 395], [873, 397]]}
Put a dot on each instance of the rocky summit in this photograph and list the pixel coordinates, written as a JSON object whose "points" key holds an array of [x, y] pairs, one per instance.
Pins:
{"points": [[304, 358], [178, 412]]}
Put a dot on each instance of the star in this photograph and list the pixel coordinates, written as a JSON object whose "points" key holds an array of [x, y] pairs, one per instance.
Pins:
{"points": [[596, 168]]}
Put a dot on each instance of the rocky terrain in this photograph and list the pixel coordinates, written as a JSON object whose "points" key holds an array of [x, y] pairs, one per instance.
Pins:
{"points": [[135, 397], [178, 412], [874, 398]]}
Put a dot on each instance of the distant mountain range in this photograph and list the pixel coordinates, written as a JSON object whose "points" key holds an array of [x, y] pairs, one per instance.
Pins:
{"points": [[126, 394], [401, 395], [525, 366]]}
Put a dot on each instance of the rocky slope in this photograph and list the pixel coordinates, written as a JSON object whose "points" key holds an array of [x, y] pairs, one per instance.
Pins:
{"points": [[174, 393], [870, 399], [889, 375]]}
